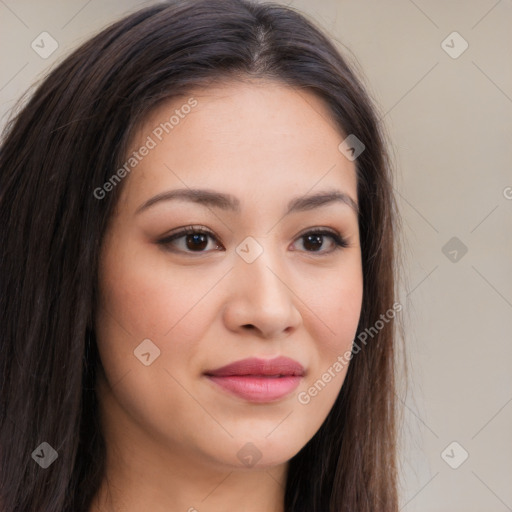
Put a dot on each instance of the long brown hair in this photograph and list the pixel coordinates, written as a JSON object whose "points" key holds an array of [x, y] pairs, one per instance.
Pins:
{"points": [[68, 140]]}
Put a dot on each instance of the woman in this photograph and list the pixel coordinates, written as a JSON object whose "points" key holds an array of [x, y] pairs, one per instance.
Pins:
{"points": [[198, 272]]}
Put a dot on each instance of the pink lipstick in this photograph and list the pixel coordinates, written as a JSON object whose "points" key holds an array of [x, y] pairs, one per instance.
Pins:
{"points": [[259, 380]]}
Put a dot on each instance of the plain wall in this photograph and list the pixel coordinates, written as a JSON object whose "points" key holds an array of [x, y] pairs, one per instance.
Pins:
{"points": [[449, 118]]}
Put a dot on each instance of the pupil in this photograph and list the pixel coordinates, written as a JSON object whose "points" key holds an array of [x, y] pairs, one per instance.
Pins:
{"points": [[316, 241], [197, 241]]}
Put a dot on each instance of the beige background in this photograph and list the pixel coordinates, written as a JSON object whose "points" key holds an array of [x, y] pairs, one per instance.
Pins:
{"points": [[450, 120]]}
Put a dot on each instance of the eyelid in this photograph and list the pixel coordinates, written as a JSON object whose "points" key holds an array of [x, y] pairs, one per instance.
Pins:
{"points": [[340, 241], [184, 231], [190, 228], [319, 229]]}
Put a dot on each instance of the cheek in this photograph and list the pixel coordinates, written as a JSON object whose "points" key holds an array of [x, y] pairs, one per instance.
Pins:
{"points": [[334, 311], [334, 301], [342, 307], [146, 297], [141, 299]]}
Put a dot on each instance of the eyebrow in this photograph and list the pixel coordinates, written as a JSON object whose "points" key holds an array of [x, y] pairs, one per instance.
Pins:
{"points": [[211, 198]]}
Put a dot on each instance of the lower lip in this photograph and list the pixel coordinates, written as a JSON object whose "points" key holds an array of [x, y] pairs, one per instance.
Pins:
{"points": [[258, 389]]}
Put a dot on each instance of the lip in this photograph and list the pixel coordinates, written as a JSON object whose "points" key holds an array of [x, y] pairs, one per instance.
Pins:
{"points": [[259, 380]]}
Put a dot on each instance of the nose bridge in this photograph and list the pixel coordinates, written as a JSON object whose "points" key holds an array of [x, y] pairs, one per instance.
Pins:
{"points": [[262, 297], [257, 264]]}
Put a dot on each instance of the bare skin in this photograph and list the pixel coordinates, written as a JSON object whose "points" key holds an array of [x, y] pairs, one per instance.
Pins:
{"points": [[175, 440]]}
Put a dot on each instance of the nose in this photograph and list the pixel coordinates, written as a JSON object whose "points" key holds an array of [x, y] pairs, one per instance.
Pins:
{"points": [[261, 301]]}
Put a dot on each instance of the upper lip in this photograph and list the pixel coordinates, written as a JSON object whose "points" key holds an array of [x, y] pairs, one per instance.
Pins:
{"points": [[255, 366]]}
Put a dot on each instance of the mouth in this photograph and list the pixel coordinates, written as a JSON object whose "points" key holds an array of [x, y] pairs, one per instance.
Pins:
{"points": [[258, 380]]}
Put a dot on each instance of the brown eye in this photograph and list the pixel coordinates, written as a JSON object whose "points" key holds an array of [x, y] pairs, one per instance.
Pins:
{"points": [[191, 239], [196, 242], [315, 241]]}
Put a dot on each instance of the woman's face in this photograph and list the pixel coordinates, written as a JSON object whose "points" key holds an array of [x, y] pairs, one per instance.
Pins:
{"points": [[260, 276]]}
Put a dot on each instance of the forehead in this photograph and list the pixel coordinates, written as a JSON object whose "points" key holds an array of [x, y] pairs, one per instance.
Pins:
{"points": [[246, 138]]}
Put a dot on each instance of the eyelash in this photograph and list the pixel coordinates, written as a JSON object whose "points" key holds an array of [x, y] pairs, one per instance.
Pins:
{"points": [[339, 241]]}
